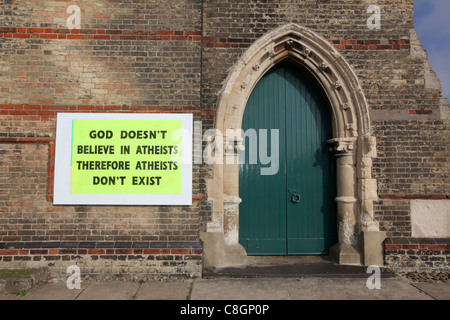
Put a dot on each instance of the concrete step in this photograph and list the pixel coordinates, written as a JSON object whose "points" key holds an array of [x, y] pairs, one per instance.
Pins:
{"points": [[294, 267]]}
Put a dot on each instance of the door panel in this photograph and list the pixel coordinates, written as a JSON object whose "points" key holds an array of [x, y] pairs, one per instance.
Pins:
{"points": [[310, 168], [293, 211], [263, 230]]}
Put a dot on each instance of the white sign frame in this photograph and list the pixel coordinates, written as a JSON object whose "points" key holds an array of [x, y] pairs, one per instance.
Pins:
{"points": [[62, 173]]}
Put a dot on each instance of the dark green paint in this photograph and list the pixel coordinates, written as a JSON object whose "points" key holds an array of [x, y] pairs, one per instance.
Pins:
{"points": [[291, 212]]}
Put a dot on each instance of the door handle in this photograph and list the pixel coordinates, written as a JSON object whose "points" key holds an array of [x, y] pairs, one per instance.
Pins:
{"points": [[294, 196]]}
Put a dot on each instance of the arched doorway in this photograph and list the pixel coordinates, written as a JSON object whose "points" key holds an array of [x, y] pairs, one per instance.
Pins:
{"points": [[290, 209], [352, 144]]}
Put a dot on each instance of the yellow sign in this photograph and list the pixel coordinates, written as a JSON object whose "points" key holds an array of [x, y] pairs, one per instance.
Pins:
{"points": [[126, 157], [123, 159]]}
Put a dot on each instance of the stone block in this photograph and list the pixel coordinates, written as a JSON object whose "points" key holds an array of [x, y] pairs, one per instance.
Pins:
{"points": [[345, 254], [372, 245], [430, 218]]}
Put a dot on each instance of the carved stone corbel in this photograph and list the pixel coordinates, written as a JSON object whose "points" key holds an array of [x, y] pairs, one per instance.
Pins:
{"points": [[343, 146], [233, 147], [306, 52], [288, 44]]}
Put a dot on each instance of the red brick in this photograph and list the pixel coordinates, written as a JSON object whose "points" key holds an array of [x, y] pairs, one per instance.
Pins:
{"points": [[392, 246], [420, 111], [165, 33], [35, 30], [123, 251], [39, 251], [152, 251], [9, 252], [101, 16], [75, 36], [179, 251], [21, 35], [96, 251], [48, 36]]}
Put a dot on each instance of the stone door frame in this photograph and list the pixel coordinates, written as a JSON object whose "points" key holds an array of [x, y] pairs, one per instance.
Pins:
{"points": [[352, 142]]}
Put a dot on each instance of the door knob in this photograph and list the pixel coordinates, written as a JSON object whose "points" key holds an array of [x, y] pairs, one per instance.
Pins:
{"points": [[294, 196]]}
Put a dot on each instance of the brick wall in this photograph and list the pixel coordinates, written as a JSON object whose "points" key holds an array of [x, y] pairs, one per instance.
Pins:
{"points": [[133, 260], [412, 148], [174, 56], [417, 253], [130, 56]]}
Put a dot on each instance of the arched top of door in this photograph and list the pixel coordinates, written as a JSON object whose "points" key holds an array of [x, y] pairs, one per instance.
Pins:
{"points": [[301, 46]]}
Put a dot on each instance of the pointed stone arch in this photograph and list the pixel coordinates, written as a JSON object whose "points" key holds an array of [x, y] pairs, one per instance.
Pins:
{"points": [[353, 144]]}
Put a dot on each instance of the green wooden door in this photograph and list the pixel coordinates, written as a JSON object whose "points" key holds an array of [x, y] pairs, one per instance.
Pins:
{"points": [[291, 211]]}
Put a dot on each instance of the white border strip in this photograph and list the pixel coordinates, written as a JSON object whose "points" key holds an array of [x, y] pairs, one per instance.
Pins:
{"points": [[62, 174]]}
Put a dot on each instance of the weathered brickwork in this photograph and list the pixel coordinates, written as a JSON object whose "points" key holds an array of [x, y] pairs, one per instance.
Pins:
{"points": [[417, 253], [394, 217], [412, 150], [174, 56], [412, 158], [127, 57], [139, 259], [233, 25]]}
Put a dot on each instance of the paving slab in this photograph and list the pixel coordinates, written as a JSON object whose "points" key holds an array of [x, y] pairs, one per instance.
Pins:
{"points": [[353, 289], [5, 296], [439, 291], [240, 289], [177, 290], [303, 289], [53, 291], [109, 291]]}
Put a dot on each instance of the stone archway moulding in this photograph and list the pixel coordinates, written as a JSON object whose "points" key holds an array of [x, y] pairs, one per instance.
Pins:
{"points": [[352, 143]]}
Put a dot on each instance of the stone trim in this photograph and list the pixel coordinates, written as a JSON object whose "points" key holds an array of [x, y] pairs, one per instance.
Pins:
{"points": [[352, 141]]}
